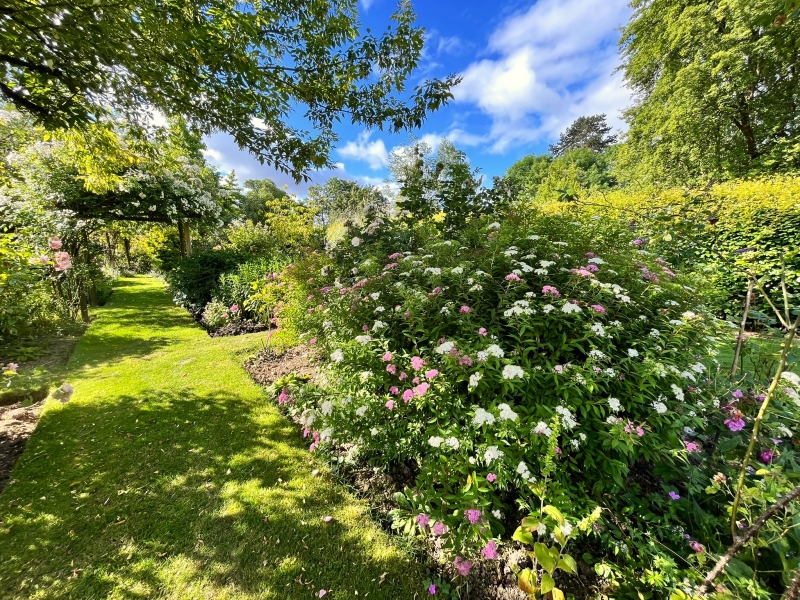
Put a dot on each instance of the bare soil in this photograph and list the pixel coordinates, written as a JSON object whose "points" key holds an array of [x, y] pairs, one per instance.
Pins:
{"points": [[238, 328], [17, 423]]}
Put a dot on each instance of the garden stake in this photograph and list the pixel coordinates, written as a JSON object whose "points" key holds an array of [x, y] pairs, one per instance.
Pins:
{"points": [[757, 424], [749, 534], [740, 339]]}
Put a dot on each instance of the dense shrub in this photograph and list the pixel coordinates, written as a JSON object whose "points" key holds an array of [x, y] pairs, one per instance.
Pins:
{"points": [[195, 278], [466, 359], [240, 284], [725, 232]]}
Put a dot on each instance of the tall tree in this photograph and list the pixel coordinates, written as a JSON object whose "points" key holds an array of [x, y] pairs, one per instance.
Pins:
{"points": [[717, 89], [585, 132], [342, 200], [257, 193], [251, 68]]}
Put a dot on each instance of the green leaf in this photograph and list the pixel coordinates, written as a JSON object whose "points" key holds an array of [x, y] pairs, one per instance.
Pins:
{"points": [[555, 513], [523, 536], [557, 594], [544, 557], [568, 564], [527, 582], [548, 583]]}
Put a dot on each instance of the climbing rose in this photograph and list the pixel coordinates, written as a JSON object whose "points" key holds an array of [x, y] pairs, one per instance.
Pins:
{"points": [[63, 261], [54, 242]]}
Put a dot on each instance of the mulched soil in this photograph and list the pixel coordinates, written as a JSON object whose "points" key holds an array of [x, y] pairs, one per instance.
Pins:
{"points": [[17, 423], [239, 328]]}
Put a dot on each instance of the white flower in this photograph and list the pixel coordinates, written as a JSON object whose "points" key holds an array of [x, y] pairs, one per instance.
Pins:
{"points": [[326, 408], [548, 308], [482, 355], [633, 352], [506, 414], [497, 515], [567, 417], [326, 434], [575, 443], [453, 443], [542, 429], [597, 353], [513, 371], [569, 307], [523, 470], [541, 529], [597, 261], [379, 309], [676, 322], [378, 325], [660, 407], [678, 392], [365, 375], [495, 350], [474, 379], [624, 298], [445, 347], [599, 330], [689, 376], [610, 372], [546, 263], [363, 339], [457, 270], [433, 270], [541, 271], [534, 237], [698, 368], [494, 225], [511, 252], [327, 325], [566, 529], [491, 454], [337, 355], [611, 419], [355, 241], [642, 317], [435, 441], [792, 378], [654, 333], [374, 431], [614, 404], [361, 410], [476, 288], [482, 416]]}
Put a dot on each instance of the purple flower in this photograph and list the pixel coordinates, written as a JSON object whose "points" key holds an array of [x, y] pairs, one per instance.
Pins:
{"points": [[697, 547], [637, 242], [473, 515], [735, 424], [674, 495], [490, 551], [738, 394], [439, 528], [692, 447], [432, 589], [423, 520], [767, 455], [463, 566]]}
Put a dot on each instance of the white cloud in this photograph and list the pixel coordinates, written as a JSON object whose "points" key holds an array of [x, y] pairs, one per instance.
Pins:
{"points": [[372, 153], [366, 3], [547, 66]]}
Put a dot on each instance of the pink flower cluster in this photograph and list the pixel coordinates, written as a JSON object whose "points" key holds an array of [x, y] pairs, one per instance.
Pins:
{"points": [[549, 290]]}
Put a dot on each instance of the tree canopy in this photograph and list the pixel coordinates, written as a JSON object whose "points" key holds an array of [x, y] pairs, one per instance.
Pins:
{"points": [[586, 132], [257, 193], [342, 200], [252, 69], [717, 89]]}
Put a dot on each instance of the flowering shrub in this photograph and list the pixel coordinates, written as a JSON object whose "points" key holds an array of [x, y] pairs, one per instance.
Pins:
{"points": [[466, 359]]}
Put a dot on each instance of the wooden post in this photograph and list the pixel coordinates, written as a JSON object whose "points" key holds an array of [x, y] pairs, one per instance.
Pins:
{"points": [[186, 238]]}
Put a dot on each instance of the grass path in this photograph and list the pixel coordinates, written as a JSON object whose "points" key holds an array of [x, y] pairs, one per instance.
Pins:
{"points": [[169, 475]]}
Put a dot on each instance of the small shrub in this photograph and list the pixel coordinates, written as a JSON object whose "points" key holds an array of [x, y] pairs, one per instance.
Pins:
{"points": [[195, 278], [216, 314]]}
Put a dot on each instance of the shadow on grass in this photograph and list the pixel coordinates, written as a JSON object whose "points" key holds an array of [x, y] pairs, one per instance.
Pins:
{"points": [[147, 496]]}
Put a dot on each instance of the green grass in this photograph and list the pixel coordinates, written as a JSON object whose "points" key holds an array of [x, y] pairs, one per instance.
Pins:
{"points": [[170, 475]]}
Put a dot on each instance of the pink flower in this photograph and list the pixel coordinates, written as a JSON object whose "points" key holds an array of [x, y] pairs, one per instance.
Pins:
{"points": [[394, 390], [12, 367], [395, 256], [390, 266], [491, 477], [235, 308], [390, 404], [408, 395], [365, 328], [512, 277], [415, 380], [431, 374], [640, 432], [439, 528], [423, 520], [637, 242], [473, 515], [490, 551], [421, 389], [691, 447], [592, 268], [465, 361], [321, 593], [387, 357], [63, 261], [674, 495], [697, 547], [55, 243], [432, 589], [549, 290], [312, 341], [482, 331], [599, 309], [465, 309], [436, 291], [581, 272], [391, 369], [310, 297], [417, 363], [463, 566], [738, 394], [403, 375], [284, 396], [407, 314], [590, 255]]}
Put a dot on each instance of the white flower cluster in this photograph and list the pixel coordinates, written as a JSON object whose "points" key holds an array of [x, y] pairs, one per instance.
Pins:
{"points": [[506, 414], [521, 307], [542, 429], [678, 392], [567, 418], [445, 347], [493, 350], [492, 454], [512, 372], [524, 472], [614, 404], [569, 307], [482, 416], [474, 379], [659, 405], [363, 339], [337, 355]]}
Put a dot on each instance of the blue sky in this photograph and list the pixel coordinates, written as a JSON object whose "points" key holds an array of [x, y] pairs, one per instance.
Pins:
{"points": [[529, 68]]}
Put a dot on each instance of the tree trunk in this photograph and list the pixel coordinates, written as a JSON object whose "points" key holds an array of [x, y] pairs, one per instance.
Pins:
{"points": [[83, 304], [126, 243], [181, 242], [186, 239], [94, 299]]}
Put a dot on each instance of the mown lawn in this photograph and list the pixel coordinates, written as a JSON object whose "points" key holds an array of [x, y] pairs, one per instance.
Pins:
{"points": [[170, 475]]}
